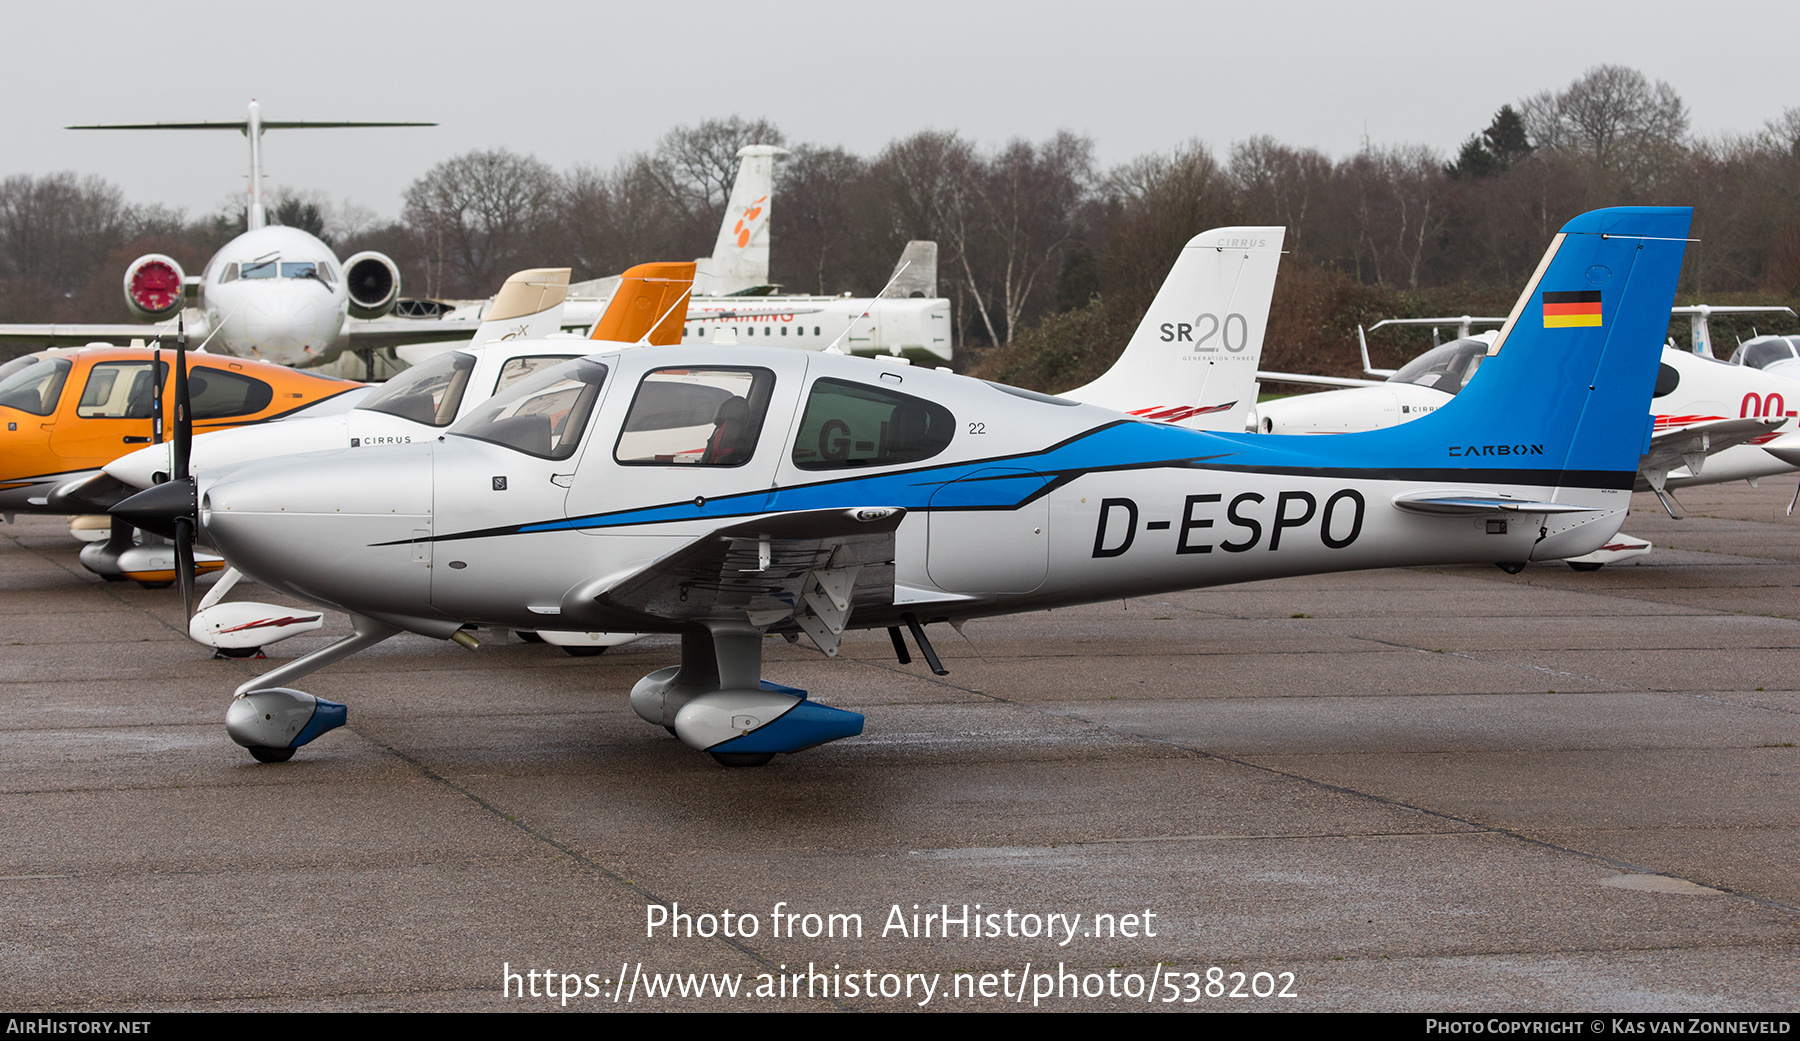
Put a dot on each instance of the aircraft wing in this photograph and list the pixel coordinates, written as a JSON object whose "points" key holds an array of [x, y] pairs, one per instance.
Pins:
{"points": [[398, 332], [813, 567], [1322, 381], [1687, 441], [81, 335]]}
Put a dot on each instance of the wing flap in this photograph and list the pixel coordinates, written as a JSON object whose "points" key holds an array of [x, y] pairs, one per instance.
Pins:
{"points": [[813, 567], [1471, 504]]}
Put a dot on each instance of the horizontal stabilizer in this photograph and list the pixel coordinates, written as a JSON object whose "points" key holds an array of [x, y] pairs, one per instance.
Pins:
{"points": [[1319, 381], [1689, 441], [1785, 448], [1470, 504]]}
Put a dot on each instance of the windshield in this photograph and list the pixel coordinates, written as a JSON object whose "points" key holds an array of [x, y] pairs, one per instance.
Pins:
{"points": [[305, 269], [33, 384], [1448, 368], [428, 393], [544, 415], [1764, 351]]}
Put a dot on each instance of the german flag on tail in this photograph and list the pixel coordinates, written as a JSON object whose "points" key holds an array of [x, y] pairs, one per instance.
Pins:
{"points": [[1572, 310]]}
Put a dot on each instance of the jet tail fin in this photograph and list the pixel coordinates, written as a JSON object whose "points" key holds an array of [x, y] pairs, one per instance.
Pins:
{"points": [[648, 301], [919, 259], [528, 306], [1192, 361], [740, 257]]}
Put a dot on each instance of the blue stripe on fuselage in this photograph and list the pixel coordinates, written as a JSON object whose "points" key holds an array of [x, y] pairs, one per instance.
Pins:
{"points": [[1117, 446]]}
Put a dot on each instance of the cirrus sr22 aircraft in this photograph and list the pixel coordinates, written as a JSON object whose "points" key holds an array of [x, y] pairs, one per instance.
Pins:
{"points": [[724, 494]]}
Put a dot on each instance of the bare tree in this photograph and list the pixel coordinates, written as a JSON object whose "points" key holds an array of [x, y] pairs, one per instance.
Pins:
{"points": [[922, 188], [485, 214], [1156, 204], [822, 235], [55, 228], [1028, 203], [1280, 185], [695, 167], [1614, 117]]}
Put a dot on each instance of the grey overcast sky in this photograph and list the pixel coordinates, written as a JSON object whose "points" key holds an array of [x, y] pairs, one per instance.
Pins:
{"points": [[591, 82]]}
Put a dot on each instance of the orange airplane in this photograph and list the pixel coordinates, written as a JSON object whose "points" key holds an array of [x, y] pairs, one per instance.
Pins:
{"points": [[66, 412]]}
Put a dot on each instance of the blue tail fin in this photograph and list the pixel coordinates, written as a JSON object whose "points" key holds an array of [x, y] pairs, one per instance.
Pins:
{"points": [[1563, 396], [1574, 366]]}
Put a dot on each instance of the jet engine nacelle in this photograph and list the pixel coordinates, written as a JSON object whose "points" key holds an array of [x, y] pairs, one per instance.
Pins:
{"points": [[155, 287], [374, 284]]}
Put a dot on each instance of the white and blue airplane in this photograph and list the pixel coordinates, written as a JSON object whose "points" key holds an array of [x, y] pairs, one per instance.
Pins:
{"points": [[1216, 298], [725, 494]]}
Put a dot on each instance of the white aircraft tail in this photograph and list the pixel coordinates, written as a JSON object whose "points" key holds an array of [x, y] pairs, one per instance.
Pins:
{"points": [[1192, 361], [252, 127], [740, 258], [915, 274], [528, 306]]}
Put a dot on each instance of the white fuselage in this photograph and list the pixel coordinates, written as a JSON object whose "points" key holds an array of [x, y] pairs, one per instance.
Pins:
{"points": [[459, 530], [1705, 389], [275, 294], [916, 328], [496, 365]]}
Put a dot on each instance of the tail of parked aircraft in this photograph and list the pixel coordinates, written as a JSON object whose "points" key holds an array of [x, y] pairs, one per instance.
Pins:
{"points": [[915, 275], [740, 257], [1566, 385], [1192, 361], [651, 299], [528, 306]]}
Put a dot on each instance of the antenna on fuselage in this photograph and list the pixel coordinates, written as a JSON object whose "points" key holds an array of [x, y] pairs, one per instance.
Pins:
{"points": [[644, 340], [832, 347], [252, 127]]}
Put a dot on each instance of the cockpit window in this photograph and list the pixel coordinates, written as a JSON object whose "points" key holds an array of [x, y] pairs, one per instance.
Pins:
{"points": [[428, 393], [1448, 368], [1765, 351], [218, 393], [33, 384], [120, 390], [302, 269], [516, 369], [230, 274], [854, 425], [696, 417], [259, 269], [542, 416]]}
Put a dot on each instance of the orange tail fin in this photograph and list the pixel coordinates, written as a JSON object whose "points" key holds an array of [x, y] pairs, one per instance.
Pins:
{"points": [[646, 293]]}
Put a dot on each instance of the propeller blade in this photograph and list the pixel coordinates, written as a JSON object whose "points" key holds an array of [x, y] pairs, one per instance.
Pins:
{"points": [[184, 562], [184, 423]]}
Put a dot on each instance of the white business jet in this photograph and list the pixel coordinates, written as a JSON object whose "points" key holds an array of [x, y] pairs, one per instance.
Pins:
{"points": [[273, 293]]}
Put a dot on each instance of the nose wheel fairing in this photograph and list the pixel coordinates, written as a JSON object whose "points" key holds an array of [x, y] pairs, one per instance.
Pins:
{"points": [[280, 719]]}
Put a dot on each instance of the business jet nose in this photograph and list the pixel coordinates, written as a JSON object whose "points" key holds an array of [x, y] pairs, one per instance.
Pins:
{"points": [[281, 324], [351, 527]]}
